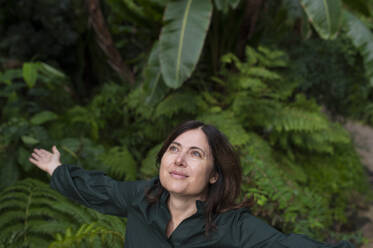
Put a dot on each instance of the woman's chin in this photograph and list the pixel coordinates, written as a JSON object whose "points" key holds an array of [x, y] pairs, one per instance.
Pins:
{"points": [[177, 187]]}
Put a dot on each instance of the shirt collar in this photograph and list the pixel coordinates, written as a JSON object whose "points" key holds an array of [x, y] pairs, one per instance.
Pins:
{"points": [[199, 204]]}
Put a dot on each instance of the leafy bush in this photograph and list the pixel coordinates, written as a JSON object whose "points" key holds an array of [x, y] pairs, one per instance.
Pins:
{"points": [[300, 169], [33, 214]]}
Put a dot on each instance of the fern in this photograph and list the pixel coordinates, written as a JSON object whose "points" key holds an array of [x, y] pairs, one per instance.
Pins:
{"points": [[25, 207], [289, 120], [120, 162], [135, 102], [273, 192], [32, 214], [281, 129], [175, 103], [226, 122], [88, 234]]}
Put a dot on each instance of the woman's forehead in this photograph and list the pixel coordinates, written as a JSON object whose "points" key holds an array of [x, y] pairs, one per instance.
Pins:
{"points": [[191, 138]]}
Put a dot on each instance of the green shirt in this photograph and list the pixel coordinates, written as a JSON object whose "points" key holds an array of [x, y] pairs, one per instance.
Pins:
{"points": [[146, 223]]}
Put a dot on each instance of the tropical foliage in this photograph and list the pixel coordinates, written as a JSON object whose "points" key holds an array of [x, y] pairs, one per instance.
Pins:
{"points": [[109, 91]]}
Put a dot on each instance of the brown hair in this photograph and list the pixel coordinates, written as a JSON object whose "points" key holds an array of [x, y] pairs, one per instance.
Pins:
{"points": [[222, 194]]}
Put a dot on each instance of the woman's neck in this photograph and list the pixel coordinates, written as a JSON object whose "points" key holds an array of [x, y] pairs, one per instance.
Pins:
{"points": [[180, 209]]}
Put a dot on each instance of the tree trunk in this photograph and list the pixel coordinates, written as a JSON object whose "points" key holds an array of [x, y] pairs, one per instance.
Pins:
{"points": [[104, 40], [251, 15]]}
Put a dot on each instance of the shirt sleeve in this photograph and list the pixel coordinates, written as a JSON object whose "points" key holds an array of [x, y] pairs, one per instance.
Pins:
{"points": [[96, 190], [255, 233]]}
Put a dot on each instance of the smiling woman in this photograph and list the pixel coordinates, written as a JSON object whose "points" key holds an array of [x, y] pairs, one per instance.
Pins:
{"points": [[191, 204]]}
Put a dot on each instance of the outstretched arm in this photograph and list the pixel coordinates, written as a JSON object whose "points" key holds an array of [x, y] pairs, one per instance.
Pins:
{"points": [[91, 188], [46, 160]]}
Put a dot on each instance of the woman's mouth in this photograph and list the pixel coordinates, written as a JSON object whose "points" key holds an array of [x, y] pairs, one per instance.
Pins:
{"points": [[178, 175]]}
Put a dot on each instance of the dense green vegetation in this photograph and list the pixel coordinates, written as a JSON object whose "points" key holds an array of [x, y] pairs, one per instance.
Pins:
{"points": [[107, 94]]}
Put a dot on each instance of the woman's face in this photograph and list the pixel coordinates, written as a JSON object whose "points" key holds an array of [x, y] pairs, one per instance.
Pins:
{"points": [[187, 165]]}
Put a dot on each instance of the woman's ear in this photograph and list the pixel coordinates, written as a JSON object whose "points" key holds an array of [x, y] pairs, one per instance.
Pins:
{"points": [[214, 178]]}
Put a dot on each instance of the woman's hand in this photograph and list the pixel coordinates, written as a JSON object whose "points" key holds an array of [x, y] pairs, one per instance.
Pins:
{"points": [[45, 160]]}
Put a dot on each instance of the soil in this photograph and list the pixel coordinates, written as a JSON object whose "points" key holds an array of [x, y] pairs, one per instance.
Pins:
{"points": [[363, 138]]}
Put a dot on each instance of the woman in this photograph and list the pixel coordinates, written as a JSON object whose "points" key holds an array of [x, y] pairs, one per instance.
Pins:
{"points": [[190, 204]]}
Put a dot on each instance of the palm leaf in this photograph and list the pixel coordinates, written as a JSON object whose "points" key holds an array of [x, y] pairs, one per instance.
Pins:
{"points": [[325, 16], [182, 39]]}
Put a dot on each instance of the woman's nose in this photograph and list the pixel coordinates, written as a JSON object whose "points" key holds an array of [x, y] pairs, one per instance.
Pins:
{"points": [[180, 159]]}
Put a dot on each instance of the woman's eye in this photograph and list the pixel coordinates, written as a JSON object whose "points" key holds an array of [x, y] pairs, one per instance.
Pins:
{"points": [[173, 148], [197, 154]]}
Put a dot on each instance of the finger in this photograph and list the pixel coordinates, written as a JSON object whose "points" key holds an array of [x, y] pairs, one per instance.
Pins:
{"points": [[36, 156], [38, 151], [42, 151], [55, 150], [33, 161]]}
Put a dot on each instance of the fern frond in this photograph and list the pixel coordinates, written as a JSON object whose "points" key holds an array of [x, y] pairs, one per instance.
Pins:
{"points": [[230, 58], [88, 232], [273, 191], [254, 84], [29, 204], [135, 102], [293, 119], [272, 58], [262, 72], [175, 103], [325, 140], [229, 125], [120, 162]]}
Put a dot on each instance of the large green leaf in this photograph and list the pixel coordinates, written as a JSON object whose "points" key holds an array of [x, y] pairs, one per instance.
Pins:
{"points": [[182, 38], [42, 117], [153, 83], [29, 140], [362, 38], [325, 16]]}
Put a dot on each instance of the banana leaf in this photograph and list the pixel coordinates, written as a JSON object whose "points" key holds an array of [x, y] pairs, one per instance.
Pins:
{"points": [[325, 16], [182, 39]]}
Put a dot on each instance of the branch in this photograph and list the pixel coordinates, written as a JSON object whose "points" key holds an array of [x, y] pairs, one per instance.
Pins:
{"points": [[104, 40]]}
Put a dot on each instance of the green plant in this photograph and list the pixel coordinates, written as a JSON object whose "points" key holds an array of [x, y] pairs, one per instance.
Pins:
{"points": [[30, 98], [91, 235], [32, 214], [284, 127]]}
